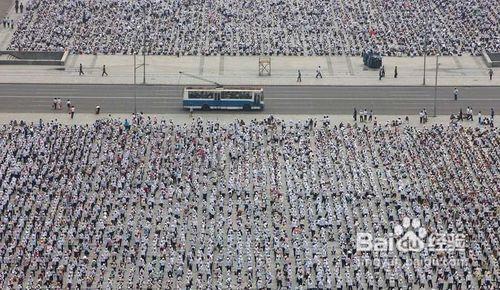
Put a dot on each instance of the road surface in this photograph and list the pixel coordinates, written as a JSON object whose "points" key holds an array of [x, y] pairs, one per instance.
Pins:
{"points": [[163, 99]]}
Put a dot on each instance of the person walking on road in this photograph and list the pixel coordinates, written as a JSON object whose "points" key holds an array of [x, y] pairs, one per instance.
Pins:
{"points": [[81, 70], [490, 73], [68, 105], [318, 73], [72, 112], [396, 72], [355, 115], [97, 110], [54, 106], [455, 94], [59, 107], [492, 114], [104, 73], [299, 76]]}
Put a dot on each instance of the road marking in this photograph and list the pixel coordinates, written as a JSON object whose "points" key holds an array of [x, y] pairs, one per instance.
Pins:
{"points": [[149, 102], [221, 65], [202, 65], [349, 65], [91, 97], [174, 98], [480, 64], [409, 95], [379, 99], [329, 64], [456, 60]]}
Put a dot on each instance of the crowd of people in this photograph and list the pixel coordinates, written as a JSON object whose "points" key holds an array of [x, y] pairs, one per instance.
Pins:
{"points": [[259, 27], [269, 203]]}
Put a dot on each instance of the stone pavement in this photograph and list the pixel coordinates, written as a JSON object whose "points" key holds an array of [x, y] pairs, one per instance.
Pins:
{"points": [[243, 70], [85, 118], [7, 9]]}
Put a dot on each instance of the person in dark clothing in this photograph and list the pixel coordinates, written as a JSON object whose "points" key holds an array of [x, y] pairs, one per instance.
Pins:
{"points": [[21, 7], [318, 73], [490, 73], [17, 6], [355, 115], [104, 73], [81, 70], [396, 72], [299, 76]]}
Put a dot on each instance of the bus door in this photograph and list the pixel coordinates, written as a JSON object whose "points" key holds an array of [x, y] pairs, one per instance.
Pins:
{"points": [[217, 101], [258, 98]]}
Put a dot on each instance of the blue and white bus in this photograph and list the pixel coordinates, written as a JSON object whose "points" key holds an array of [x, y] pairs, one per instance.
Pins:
{"points": [[223, 98]]}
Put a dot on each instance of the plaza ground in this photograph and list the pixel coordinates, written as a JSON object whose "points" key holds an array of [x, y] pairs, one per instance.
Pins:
{"points": [[244, 70]]}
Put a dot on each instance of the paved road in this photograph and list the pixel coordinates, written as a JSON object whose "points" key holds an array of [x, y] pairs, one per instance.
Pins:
{"points": [[5, 5], [27, 98]]}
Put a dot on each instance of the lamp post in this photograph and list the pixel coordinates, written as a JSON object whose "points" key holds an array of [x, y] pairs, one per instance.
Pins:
{"points": [[435, 84], [425, 43], [425, 57], [143, 61], [135, 87], [144, 49]]}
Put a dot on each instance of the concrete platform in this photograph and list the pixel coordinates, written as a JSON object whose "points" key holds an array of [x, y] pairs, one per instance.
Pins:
{"points": [[5, 7], [243, 70]]}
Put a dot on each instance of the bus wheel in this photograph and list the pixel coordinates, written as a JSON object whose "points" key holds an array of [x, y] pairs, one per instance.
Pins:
{"points": [[205, 107], [247, 107]]}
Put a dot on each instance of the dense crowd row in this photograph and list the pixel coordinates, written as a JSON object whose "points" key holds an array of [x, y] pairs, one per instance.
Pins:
{"points": [[268, 203], [256, 27]]}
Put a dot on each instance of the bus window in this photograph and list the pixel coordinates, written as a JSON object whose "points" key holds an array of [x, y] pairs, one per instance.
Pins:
{"points": [[201, 95], [194, 95], [234, 95]]}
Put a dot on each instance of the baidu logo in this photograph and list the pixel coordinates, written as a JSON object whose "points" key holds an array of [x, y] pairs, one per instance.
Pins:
{"points": [[411, 236]]}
